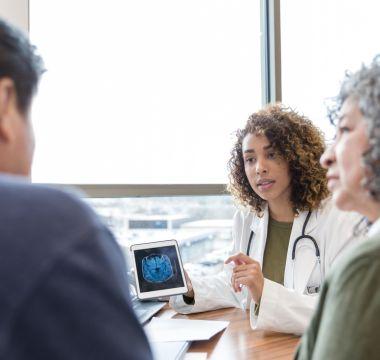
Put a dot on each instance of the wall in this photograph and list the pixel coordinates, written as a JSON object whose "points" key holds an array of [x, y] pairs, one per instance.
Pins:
{"points": [[16, 11]]}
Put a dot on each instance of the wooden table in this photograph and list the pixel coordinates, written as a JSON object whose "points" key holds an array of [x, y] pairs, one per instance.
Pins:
{"points": [[239, 341]]}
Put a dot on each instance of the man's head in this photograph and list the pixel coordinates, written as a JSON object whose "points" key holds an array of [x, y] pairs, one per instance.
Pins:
{"points": [[20, 71]]}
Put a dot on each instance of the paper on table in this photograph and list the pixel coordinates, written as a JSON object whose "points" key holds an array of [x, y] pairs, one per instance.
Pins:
{"points": [[169, 350], [195, 356], [182, 329]]}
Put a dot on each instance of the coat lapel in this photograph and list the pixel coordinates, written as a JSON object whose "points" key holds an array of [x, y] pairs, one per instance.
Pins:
{"points": [[259, 227]]}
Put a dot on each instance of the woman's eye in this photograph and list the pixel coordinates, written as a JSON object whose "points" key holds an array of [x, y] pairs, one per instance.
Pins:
{"points": [[272, 155], [250, 160], [344, 129]]}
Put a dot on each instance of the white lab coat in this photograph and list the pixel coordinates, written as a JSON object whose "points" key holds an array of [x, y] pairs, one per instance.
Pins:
{"points": [[285, 308]]}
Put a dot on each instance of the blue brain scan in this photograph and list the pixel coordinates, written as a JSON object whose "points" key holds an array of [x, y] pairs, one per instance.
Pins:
{"points": [[157, 268]]}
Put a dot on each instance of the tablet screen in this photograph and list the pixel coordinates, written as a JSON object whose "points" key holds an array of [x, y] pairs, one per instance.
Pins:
{"points": [[158, 268]]}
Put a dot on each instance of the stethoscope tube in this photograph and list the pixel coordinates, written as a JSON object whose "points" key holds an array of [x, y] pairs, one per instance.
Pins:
{"points": [[249, 242], [302, 236]]}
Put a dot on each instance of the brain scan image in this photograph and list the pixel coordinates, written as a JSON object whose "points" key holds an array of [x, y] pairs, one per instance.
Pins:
{"points": [[157, 268]]}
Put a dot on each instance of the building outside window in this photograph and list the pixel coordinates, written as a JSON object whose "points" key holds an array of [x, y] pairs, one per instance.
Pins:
{"points": [[200, 224]]}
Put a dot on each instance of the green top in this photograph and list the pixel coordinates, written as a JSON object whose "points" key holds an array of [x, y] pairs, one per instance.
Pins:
{"points": [[347, 320], [276, 249]]}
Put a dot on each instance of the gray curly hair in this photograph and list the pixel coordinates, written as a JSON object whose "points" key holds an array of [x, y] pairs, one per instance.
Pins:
{"points": [[364, 87]]}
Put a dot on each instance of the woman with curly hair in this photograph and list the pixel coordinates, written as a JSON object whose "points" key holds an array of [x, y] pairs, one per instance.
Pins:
{"points": [[346, 323], [276, 177]]}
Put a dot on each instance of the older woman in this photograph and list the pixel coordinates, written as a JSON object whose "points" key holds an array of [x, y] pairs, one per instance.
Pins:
{"points": [[347, 322], [285, 235]]}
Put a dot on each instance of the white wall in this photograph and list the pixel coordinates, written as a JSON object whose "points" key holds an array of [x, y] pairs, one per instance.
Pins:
{"points": [[16, 12]]}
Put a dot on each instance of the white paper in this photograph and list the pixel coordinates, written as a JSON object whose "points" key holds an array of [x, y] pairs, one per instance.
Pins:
{"points": [[195, 356], [183, 329], [168, 314], [169, 350]]}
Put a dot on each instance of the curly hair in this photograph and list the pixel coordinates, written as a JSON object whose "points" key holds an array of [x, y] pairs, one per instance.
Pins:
{"points": [[364, 88], [298, 142]]}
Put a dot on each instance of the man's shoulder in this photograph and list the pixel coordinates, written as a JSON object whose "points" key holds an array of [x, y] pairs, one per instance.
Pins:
{"points": [[25, 201], [42, 219], [40, 226], [14, 188]]}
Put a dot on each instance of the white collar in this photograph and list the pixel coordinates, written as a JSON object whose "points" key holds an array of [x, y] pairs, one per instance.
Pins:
{"points": [[375, 228], [263, 221]]}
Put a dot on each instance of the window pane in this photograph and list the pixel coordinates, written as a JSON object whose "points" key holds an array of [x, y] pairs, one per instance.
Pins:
{"points": [[320, 40], [200, 224], [143, 91]]}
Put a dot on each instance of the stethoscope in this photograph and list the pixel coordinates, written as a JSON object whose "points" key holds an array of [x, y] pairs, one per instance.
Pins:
{"points": [[310, 289]]}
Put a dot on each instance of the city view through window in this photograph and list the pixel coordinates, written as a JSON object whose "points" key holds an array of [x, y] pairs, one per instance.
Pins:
{"points": [[201, 225]]}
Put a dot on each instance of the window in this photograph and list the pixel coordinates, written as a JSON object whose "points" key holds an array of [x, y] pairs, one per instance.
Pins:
{"points": [[200, 224], [148, 92], [143, 92], [319, 41]]}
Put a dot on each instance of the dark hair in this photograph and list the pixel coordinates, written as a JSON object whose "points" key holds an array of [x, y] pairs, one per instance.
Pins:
{"points": [[19, 62], [298, 142], [363, 87]]}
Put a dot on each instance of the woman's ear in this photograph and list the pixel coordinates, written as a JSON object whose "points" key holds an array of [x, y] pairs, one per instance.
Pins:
{"points": [[8, 108]]}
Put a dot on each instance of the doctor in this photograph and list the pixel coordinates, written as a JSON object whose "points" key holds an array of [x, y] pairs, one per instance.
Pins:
{"points": [[287, 234]]}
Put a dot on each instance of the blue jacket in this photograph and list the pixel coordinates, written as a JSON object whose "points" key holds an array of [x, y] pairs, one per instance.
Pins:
{"points": [[63, 282]]}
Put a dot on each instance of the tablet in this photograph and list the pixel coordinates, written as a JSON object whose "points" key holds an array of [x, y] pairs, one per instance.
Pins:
{"points": [[158, 269]]}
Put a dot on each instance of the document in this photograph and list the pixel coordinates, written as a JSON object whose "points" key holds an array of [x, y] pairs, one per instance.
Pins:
{"points": [[183, 329], [195, 356], [169, 350]]}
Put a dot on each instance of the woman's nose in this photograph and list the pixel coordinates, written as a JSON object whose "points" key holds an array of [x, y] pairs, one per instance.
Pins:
{"points": [[328, 157], [261, 168]]}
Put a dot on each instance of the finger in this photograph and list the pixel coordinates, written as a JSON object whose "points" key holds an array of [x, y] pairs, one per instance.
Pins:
{"points": [[240, 268], [248, 273], [239, 258], [254, 266], [235, 285], [190, 290], [250, 276], [243, 281], [234, 258], [187, 277]]}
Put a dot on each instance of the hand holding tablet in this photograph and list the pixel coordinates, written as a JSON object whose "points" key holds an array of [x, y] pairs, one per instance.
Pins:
{"points": [[158, 269]]}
